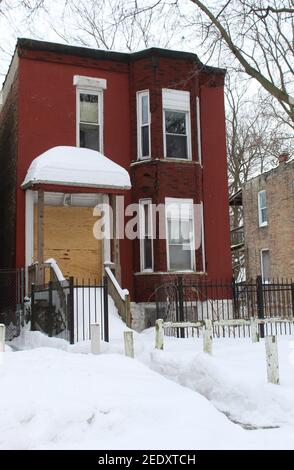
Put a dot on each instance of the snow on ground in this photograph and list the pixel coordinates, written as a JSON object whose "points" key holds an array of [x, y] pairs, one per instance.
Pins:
{"points": [[176, 398]]}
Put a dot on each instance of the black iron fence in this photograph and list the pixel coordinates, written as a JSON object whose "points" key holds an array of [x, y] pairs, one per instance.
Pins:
{"points": [[66, 309], [12, 296], [193, 301]]}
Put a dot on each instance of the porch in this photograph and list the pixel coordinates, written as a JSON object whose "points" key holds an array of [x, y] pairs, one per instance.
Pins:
{"points": [[63, 187], [67, 190]]}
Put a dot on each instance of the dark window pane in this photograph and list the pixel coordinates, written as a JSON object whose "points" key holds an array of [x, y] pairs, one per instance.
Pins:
{"points": [[147, 253], [176, 146], [145, 141], [89, 136], [175, 123], [88, 108], [179, 259]]}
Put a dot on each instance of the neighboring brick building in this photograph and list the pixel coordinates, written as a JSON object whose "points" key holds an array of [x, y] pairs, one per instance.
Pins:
{"points": [[268, 214], [159, 114]]}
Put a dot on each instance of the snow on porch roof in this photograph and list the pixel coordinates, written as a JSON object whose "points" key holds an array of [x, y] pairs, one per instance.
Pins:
{"points": [[75, 166]]}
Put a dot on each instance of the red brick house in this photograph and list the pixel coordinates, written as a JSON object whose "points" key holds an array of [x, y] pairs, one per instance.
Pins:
{"points": [[158, 114]]}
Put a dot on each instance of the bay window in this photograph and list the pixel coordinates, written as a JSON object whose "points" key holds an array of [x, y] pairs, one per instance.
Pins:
{"points": [[143, 124], [180, 234], [146, 235], [176, 124]]}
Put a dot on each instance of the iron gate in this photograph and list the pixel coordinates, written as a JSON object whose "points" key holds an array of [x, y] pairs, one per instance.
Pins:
{"points": [[12, 297]]}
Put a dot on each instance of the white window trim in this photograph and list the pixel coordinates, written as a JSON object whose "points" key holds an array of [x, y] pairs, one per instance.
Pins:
{"points": [[188, 127], [261, 265], [198, 124], [202, 238], [260, 223], [98, 93], [169, 200], [142, 203], [140, 94]]}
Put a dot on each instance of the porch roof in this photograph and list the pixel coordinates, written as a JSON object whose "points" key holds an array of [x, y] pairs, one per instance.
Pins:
{"points": [[75, 166]]}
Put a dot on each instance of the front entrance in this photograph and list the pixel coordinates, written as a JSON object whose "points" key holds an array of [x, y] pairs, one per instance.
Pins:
{"points": [[69, 239]]}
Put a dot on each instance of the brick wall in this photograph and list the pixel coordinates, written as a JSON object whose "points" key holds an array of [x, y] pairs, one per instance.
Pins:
{"points": [[8, 155], [278, 235]]}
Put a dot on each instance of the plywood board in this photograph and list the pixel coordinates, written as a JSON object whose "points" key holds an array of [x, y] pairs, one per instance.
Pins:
{"points": [[68, 238]]}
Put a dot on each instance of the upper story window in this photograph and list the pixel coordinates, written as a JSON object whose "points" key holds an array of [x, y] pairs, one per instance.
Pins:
{"points": [[180, 234], [176, 124], [90, 112], [89, 121], [143, 124], [262, 209]]}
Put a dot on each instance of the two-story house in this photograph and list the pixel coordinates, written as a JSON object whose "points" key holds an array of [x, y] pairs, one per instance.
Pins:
{"points": [[153, 123]]}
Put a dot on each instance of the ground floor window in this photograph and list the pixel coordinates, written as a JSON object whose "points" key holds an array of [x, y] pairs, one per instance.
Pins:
{"points": [[180, 234], [146, 235], [265, 265]]}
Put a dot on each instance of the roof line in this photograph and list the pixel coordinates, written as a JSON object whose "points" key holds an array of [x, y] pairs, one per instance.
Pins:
{"points": [[100, 54]]}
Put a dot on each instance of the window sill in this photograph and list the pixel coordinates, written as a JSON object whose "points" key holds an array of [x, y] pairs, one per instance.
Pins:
{"points": [[165, 160], [263, 225], [168, 273]]}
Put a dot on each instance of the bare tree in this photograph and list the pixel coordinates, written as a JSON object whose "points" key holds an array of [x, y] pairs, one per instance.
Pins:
{"points": [[260, 37]]}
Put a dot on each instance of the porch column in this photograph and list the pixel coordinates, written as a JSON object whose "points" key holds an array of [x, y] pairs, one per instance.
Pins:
{"points": [[40, 253], [29, 235], [107, 230], [116, 247]]}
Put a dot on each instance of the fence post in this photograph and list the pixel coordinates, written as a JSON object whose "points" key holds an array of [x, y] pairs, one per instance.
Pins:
{"points": [[292, 298], [260, 304], [95, 338], [70, 312], [50, 311], [105, 308], [2, 337], [254, 330], [181, 305], [159, 334], [129, 343], [207, 337], [33, 313], [236, 313], [272, 361]]}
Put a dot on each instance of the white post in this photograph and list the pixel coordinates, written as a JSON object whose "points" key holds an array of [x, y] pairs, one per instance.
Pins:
{"points": [[159, 334], [2, 337], [272, 360], [254, 330], [129, 343], [207, 337], [95, 338]]}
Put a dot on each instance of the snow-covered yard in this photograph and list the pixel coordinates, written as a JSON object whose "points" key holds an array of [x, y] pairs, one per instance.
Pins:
{"points": [[57, 396]]}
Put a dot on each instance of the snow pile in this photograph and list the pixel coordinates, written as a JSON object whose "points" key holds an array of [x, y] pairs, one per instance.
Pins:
{"points": [[76, 166], [251, 403], [52, 399], [176, 398]]}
